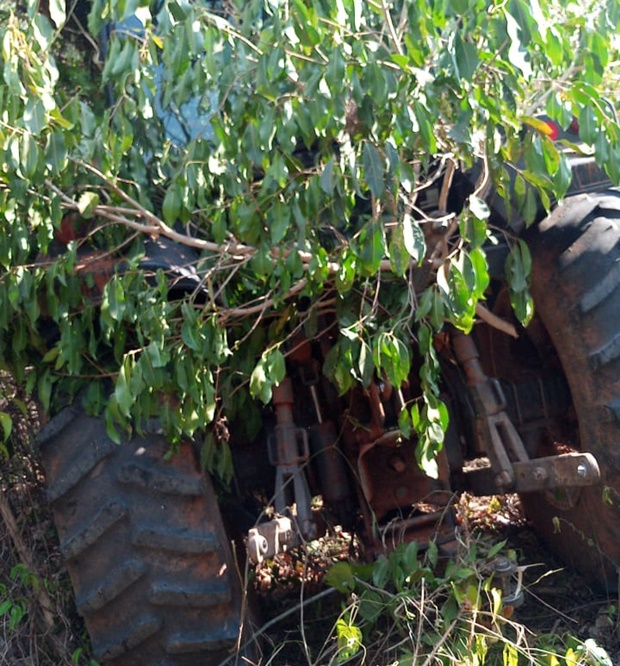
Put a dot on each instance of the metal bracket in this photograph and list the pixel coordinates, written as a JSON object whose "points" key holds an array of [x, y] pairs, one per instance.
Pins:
{"points": [[509, 577], [561, 471], [288, 451], [511, 467], [269, 539]]}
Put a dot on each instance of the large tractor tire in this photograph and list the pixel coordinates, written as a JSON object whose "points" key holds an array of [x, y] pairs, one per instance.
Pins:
{"points": [[576, 291], [144, 542]]}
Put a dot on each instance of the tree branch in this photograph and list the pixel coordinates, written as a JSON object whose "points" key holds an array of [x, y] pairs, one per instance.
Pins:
{"points": [[496, 322]]}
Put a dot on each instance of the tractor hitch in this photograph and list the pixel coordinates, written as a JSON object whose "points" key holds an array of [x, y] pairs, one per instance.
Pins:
{"points": [[511, 469]]}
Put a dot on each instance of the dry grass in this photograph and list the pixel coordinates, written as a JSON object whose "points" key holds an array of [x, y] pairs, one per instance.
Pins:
{"points": [[38, 622]]}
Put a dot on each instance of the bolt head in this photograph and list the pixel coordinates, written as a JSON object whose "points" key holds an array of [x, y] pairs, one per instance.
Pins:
{"points": [[502, 480], [539, 473], [397, 463]]}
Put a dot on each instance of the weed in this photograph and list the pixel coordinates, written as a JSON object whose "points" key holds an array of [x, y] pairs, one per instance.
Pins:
{"points": [[415, 608]]}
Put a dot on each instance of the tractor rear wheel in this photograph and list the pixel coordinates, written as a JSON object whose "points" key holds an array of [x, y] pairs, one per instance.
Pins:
{"points": [[149, 559], [576, 291]]}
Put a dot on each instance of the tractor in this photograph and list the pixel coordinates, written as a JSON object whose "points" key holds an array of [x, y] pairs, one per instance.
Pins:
{"points": [[154, 542], [532, 411]]}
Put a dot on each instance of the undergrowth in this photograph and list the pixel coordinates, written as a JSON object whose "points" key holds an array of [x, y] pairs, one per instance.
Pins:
{"points": [[38, 622], [415, 609], [324, 605]]}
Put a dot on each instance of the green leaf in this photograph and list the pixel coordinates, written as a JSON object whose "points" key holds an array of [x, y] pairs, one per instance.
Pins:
{"points": [[6, 422], [371, 606], [365, 364], [413, 238], [478, 261], [374, 170], [56, 152], [432, 553], [466, 55], [224, 467], [518, 266], [588, 125], [114, 303], [327, 178], [340, 576], [35, 116], [347, 266], [382, 572], [279, 221], [87, 202], [44, 390], [479, 208], [268, 372], [349, 639], [29, 155], [517, 52], [391, 355], [57, 12], [399, 257], [171, 208], [404, 422], [518, 269], [371, 248], [122, 390]]}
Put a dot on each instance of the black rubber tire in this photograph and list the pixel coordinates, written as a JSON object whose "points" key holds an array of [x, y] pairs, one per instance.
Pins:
{"points": [[576, 291], [144, 542]]}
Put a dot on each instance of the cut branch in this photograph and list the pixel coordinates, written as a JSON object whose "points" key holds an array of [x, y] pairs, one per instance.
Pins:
{"points": [[496, 322]]}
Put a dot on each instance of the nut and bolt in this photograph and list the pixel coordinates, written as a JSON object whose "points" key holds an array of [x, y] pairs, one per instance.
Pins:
{"points": [[503, 565], [540, 474], [503, 479], [397, 463]]}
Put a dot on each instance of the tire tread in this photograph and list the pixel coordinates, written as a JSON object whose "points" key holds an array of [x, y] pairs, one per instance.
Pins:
{"points": [[145, 546]]}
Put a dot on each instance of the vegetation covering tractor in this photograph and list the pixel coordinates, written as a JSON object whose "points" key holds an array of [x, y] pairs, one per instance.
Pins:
{"points": [[531, 411], [322, 305]]}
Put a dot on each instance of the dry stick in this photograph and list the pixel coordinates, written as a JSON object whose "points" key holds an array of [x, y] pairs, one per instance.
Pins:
{"points": [[302, 628], [157, 227], [42, 597], [261, 307], [419, 637], [442, 204], [441, 641], [385, 10], [496, 322], [265, 627]]}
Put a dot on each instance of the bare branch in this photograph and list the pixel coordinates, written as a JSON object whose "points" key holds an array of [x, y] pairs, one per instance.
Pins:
{"points": [[496, 322]]}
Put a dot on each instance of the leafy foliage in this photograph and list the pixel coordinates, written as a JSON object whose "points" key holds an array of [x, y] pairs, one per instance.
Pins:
{"points": [[421, 610], [286, 146]]}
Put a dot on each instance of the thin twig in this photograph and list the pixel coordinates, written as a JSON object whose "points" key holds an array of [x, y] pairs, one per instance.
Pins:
{"points": [[279, 618], [43, 599], [447, 633], [496, 322], [446, 186], [257, 309], [385, 10]]}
